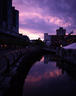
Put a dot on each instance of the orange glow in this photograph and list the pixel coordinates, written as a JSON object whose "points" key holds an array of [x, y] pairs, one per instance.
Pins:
{"points": [[33, 79], [46, 75], [53, 74], [5, 45]]}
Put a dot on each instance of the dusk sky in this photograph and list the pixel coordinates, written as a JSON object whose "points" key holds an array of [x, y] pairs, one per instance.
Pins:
{"points": [[45, 16]]}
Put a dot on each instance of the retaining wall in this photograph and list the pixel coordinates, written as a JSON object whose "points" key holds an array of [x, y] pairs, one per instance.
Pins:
{"points": [[10, 62]]}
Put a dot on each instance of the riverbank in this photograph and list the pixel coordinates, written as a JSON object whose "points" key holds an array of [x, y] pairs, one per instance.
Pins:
{"points": [[12, 65]]}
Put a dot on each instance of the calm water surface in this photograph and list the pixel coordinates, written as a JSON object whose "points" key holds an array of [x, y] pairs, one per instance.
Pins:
{"points": [[50, 77]]}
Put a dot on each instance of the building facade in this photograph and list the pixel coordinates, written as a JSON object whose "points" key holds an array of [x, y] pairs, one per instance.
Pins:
{"points": [[9, 17], [15, 20]]}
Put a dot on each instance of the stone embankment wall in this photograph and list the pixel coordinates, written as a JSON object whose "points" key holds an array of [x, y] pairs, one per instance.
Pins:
{"points": [[10, 62]]}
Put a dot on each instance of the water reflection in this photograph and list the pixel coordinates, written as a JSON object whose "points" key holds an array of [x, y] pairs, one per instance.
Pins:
{"points": [[16, 84], [70, 69], [50, 76]]}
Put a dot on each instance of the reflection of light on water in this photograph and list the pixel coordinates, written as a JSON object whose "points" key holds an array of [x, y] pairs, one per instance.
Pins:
{"points": [[42, 72], [46, 75], [33, 79], [42, 59], [53, 74]]}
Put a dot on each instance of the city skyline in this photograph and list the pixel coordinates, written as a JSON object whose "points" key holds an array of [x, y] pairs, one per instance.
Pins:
{"points": [[45, 16]]}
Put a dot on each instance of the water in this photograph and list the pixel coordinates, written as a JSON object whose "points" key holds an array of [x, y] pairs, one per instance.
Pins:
{"points": [[50, 77]]}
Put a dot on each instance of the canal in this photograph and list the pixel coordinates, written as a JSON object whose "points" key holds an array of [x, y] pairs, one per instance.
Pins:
{"points": [[50, 77], [40, 75]]}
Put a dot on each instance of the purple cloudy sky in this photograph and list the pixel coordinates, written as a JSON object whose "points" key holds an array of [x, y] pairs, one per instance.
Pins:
{"points": [[40, 16]]}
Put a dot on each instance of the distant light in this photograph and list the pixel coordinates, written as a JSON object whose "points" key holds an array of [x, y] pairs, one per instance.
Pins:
{"points": [[61, 45], [5, 45], [1, 46]]}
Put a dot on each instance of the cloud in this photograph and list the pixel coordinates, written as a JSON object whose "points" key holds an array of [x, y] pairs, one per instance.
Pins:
{"points": [[46, 15]]}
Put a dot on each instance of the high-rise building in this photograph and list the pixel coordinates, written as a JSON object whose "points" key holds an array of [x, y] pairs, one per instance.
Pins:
{"points": [[15, 20], [61, 32], [0, 13], [6, 13], [9, 17], [9, 14]]}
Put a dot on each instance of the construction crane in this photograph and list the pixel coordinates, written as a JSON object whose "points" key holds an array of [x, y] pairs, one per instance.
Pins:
{"points": [[70, 33]]}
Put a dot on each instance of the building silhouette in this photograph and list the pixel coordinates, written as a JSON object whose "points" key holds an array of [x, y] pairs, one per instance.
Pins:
{"points": [[9, 27], [9, 17], [61, 32], [60, 39]]}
